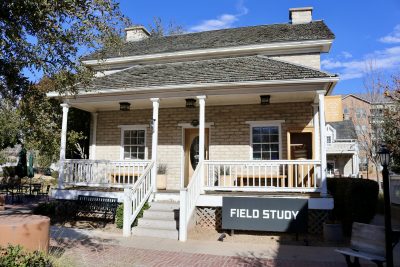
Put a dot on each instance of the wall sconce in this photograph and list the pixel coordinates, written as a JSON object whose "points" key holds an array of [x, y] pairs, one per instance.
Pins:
{"points": [[190, 103], [264, 99], [151, 124], [124, 106], [194, 123]]}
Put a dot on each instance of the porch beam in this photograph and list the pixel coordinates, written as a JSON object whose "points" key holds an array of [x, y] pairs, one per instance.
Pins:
{"points": [[202, 104], [65, 108], [321, 104], [154, 141]]}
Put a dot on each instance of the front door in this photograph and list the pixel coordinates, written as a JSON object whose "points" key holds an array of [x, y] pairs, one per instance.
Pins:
{"points": [[192, 151]]}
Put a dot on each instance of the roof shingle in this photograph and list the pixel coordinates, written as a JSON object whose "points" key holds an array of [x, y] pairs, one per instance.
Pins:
{"points": [[344, 129], [222, 70], [253, 35]]}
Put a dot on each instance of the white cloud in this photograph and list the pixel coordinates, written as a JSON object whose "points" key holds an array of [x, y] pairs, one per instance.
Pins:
{"points": [[346, 54], [393, 37], [221, 22], [386, 59]]}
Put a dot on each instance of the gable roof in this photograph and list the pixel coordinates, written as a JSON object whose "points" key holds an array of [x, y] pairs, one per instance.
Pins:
{"points": [[208, 71], [344, 129], [253, 35]]}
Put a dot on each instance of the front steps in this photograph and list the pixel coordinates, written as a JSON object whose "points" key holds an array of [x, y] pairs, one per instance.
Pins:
{"points": [[160, 220]]}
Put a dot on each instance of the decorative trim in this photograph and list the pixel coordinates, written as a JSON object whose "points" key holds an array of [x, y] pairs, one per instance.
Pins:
{"points": [[134, 127], [265, 123], [188, 125]]}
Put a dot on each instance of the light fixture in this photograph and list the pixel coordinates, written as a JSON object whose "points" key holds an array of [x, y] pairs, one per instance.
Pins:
{"points": [[124, 106], [151, 124], [190, 102], [264, 99], [384, 156], [195, 123]]}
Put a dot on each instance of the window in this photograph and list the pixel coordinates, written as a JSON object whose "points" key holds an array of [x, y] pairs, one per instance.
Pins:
{"points": [[266, 142], [133, 142], [329, 139]]}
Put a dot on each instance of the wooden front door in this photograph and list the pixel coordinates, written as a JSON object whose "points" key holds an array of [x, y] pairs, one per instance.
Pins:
{"points": [[192, 151]]}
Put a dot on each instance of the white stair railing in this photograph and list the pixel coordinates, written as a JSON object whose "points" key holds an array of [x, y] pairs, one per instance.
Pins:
{"points": [[188, 199], [135, 197]]}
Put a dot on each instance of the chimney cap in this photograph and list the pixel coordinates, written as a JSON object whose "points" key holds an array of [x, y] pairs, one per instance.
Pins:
{"points": [[138, 27]]}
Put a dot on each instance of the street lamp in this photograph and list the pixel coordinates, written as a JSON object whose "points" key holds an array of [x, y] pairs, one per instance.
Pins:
{"points": [[384, 157]]}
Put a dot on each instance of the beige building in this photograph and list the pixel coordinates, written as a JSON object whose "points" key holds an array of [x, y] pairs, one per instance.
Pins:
{"points": [[234, 110]]}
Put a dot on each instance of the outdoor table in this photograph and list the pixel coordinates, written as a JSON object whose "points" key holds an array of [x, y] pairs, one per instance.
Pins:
{"points": [[30, 231]]}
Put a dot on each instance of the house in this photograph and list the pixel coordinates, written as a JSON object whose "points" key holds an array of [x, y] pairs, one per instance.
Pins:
{"points": [[233, 112]]}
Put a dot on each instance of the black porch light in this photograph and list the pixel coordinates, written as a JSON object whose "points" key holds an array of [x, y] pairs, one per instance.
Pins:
{"points": [[384, 156], [264, 99], [124, 106], [190, 102]]}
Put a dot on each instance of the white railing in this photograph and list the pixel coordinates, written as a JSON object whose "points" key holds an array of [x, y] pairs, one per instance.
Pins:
{"points": [[260, 175], [102, 172], [188, 200], [341, 147], [135, 197]]}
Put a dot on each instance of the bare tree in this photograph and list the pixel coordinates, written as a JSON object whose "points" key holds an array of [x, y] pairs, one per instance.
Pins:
{"points": [[157, 29]]}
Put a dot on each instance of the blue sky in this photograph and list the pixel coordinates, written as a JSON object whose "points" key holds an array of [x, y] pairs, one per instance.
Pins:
{"points": [[367, 32]]}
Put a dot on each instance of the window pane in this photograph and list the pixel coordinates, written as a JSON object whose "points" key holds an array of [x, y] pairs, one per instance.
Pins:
{"points": [[265, 139], [256, 148], [140, 156], [141, 133], [265, 156], [274, 155], [256, 130], [274, 138], [274, 130], [256, 138], [275, 147], [265, 130], [127, 134], [256, 155], [127, 141]]}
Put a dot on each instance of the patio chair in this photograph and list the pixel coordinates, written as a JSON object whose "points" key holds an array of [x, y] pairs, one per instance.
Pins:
{"points": [[36, 188]]}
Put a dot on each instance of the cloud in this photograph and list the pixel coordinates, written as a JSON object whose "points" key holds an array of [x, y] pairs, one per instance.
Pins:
{"points": [[346, 54], [221, 22], [393, 37], [386, 59]]}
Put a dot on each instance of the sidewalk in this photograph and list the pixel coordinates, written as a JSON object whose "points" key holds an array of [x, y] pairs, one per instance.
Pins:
{"points": [[93, 248]]}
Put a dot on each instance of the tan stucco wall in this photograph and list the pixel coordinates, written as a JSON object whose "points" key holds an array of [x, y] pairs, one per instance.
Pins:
{"points": [[308, 60], [333, 108], [229, 136]]}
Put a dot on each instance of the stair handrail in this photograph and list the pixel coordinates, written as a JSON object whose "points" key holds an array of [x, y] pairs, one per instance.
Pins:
{"points": [[135, 197], [188, 200]]}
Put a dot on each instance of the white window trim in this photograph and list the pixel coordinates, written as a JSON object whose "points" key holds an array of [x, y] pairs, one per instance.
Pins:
{"points": [[131, 128], [330, 131], [277, 123]]}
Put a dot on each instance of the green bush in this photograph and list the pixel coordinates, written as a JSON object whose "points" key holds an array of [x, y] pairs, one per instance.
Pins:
{"points": [[355, 200], [15, 256], [54, 174], [119, 216], [9, 171]]}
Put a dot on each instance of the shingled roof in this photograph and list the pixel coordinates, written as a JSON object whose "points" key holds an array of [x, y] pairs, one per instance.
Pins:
{"points": [[253, 35], [234, 69], [344, 129]]}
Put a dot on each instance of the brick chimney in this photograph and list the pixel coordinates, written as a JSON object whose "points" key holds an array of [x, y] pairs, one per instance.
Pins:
{"points": [[136, 33], [300, 15]]}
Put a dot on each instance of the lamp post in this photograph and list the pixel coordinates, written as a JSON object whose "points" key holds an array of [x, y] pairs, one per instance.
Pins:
{"points": [[384, 158]]}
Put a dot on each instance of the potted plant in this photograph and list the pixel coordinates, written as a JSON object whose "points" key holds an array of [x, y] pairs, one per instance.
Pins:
{"points": [[333, 229], [162, 176]]}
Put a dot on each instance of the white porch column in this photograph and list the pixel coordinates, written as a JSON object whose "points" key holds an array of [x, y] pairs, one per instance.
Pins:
{"points": [[355, 164], [154, 141], [63, 145], [316, 141], [202, 118], [321, 102], [93, 133]]}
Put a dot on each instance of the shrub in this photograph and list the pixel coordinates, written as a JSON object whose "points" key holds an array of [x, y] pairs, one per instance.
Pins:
{"points": [[355, 200], [9, 171], [54, 174], [119, 216], [15, 256]]}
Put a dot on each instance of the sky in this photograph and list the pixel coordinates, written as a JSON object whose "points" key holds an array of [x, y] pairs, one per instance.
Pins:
{"points": [[367, 31]]}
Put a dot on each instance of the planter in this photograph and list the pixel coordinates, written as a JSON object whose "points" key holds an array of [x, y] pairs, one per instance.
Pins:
{"points": [[333, 232], [161, 181]]}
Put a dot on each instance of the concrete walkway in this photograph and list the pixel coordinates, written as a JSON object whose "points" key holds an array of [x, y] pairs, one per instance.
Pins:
{"points": [[96, 248]]}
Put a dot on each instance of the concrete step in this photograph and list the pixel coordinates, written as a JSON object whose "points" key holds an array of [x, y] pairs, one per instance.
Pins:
{"points": [[161, 233], [160, 214], [158, 224], [164, 205]]}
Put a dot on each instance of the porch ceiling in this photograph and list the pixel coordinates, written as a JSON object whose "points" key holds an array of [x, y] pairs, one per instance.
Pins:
{"points": [[105, 104]]}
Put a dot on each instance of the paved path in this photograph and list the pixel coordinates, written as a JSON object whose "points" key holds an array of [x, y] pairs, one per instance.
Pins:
{"points": [[93, 248]]}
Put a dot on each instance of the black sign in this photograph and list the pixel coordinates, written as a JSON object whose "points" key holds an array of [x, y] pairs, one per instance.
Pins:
{"points": [[265, 214]]}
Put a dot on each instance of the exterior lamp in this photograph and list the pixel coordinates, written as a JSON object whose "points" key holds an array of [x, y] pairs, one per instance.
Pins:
{"points": [[124, 106], [384, 158], [151, 124], [264, 99], [190, 102]]}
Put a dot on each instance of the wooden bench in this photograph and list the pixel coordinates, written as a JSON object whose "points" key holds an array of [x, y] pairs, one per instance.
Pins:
{"points": [[367, 242], [91, 205]]}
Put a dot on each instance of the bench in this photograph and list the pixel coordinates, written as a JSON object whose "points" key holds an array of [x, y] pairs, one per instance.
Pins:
{"points": [[367, 242], [91, 205]]}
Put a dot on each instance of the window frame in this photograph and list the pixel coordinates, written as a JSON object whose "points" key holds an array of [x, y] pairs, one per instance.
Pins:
{"points": [[277, 123], [133, 128]]}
